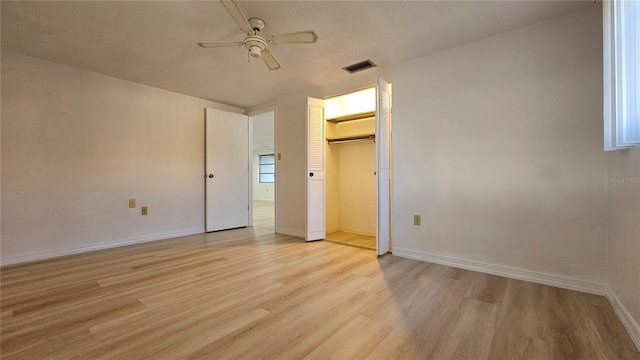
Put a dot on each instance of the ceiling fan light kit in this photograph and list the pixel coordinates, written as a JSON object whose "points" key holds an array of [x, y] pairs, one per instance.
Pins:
{"points": [[257, 45]]}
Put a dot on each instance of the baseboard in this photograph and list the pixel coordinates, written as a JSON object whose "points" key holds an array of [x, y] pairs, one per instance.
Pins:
{"points": [[506, 271], [12, 260], [329, 231], [359, 232], [290, 232], [625, 317]]}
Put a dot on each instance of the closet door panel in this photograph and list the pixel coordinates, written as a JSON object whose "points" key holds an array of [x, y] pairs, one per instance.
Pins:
{"points": [[383, 166], [315, 184]]}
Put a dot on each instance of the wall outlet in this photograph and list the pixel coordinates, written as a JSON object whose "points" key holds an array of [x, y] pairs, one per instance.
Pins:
{"points": [[144, 210], [417, 219], [132, 203]]}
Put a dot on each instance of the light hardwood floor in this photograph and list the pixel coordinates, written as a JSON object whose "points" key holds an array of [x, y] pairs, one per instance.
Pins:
{"points": [[363, 241], [263, 216], [252, 294]]}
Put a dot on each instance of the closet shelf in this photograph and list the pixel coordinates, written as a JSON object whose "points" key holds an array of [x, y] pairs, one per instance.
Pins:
{"points": [[363, 137], [359, 116]]}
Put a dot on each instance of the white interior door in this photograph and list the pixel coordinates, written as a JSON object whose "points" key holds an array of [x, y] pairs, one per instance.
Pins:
{"points": [[227, 170], [383, 166], [315, 223]]}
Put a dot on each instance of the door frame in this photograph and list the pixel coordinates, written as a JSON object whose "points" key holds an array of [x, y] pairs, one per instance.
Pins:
{"points": [[251, 114]]}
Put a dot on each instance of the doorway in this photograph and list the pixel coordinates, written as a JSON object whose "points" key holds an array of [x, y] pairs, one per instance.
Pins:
{"points": [[263, 169]]}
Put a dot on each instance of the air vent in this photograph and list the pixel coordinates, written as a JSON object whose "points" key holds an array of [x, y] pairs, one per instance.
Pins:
{"points": [[362, 65]]}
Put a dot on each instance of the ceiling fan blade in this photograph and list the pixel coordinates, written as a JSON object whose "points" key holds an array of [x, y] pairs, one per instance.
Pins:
{"points": [[237, 15], [215, 44], [299, 37], [269, 60]]}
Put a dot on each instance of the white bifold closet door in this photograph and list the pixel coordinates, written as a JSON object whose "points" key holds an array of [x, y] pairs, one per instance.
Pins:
{"points": [[227, 170], [315, 184], [383, 165]]}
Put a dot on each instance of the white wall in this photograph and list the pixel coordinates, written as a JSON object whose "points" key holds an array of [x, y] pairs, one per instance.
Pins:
{"points": [[498, 145], [78, 145], [623, 192], [291, 168]]}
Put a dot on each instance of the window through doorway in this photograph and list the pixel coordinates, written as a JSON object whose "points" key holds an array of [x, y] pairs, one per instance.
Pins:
{"points": [[263, 171]]}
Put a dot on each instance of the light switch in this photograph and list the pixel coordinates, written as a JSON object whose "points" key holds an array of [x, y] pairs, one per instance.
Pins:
{"points": [[132, 203]]}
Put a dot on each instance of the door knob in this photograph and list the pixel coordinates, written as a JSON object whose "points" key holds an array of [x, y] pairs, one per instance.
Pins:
{"points": [[311, 174], [210, 176]]}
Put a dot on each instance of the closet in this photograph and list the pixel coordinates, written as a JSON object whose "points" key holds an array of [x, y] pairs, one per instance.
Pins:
{"points": [[348, 163], [350, 168]]}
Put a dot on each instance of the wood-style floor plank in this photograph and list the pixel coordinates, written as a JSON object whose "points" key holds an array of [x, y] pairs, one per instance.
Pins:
{"points": [[359, 240], [252, 294]]}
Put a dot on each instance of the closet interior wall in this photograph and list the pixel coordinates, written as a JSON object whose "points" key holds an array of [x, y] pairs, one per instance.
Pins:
{"points": [[350, 166]]}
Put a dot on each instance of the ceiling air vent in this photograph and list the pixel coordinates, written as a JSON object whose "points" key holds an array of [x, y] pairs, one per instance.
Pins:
{"points": [[362, 65]]}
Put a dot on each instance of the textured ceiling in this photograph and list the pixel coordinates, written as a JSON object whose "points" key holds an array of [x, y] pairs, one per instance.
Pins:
{"points": [[154, 42]]}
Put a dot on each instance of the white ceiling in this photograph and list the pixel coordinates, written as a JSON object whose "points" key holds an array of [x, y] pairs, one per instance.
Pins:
{"points": [[154, 42]]}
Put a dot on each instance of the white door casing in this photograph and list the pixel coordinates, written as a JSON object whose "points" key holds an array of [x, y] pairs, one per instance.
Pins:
{"points": [[383, 166], [227, 183], [315, 176]]}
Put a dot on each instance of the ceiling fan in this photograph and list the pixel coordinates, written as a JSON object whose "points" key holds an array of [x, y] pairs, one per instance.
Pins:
{"points": [[257, 45]]}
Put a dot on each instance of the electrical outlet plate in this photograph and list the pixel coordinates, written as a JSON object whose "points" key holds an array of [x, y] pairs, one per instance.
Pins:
{"points": [[416, 220], [132, 203], [144, 210]]}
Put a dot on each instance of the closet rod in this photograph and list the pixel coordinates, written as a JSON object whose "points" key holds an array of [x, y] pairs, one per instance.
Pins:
{"points": [[351, 139]]}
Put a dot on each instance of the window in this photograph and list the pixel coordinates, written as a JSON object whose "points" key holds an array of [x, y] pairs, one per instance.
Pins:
{"points": [[267, 168], [621, 23]]}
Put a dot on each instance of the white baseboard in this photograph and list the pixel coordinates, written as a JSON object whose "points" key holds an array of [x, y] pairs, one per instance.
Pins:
{"points": [[290, 232], [625, 317], [12, 260], [506, 271]]}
